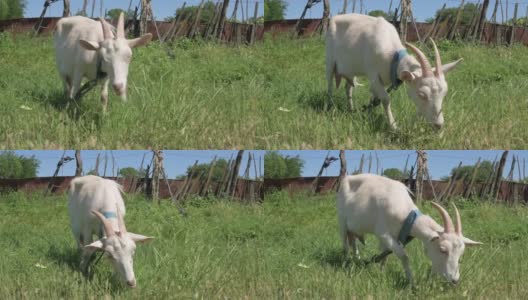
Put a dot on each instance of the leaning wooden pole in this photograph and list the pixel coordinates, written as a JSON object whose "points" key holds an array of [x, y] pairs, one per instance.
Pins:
{"points": [[498, 177], [66, 10], [234, 174], [254, 27], [514, 20], [469, 190], [221, 20], [452, 32], [79, 164]]}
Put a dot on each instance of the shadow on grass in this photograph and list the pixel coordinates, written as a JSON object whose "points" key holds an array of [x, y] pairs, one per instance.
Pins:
{"points": [[71, 257], [320, 102], [65, 256], [337, 260], [76, 110]]}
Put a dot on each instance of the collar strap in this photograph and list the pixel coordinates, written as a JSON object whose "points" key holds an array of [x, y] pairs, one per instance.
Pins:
{"points": [[109, 214], [398, 55], [405, 231]]}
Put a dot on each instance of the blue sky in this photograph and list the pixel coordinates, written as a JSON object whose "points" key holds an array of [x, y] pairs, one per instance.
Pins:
{"points": [[422, 9], [440, 161], [175, 161], [162, 8]]}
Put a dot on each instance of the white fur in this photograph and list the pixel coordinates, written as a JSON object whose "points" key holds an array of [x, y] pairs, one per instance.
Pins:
{"points": [[95, 193], [364, 45], [372, 204], [78, 42]]}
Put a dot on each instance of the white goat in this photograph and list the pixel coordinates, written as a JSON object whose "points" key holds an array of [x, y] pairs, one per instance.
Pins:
{"points": [[96, 207], [365, 45], [87, 48], [378, 205]]}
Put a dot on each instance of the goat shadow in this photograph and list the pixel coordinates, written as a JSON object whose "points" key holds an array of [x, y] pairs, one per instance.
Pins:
{"points": [[373, 117], [336, 259], [75, 110], [71, 257]]}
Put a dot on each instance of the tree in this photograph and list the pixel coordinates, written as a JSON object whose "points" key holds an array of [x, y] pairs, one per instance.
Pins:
{"points": [[13, 166], [12, 9], [395, 174], [202, 170], [274, 10], [469, 10], [380, 13], [130, 172], [484, 171], [114, 13], [278, 166], [206, 15]]}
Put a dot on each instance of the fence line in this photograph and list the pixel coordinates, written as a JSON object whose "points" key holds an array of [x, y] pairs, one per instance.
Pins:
{"points": [[508, 191], [245, 189]]}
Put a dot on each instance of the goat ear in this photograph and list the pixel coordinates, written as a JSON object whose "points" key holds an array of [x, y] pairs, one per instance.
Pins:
{"points": [[140, 41], [450, 66], [93, 46], [97, 245], [138, 238], [469, 242], [407, 76]]}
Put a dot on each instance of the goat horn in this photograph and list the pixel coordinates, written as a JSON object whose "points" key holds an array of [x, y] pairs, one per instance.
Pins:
{"points": [[448, 223], [424, 63], [438, 62], [109, 230], [107, 33], [458, 224], [121, 26]]}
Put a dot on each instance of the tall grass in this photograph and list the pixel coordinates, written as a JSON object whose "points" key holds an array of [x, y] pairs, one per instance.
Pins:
{"points": [[287, 247]]}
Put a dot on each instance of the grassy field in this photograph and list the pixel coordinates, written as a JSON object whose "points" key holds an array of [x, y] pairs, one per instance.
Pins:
{"points": [[207, 96], [270, 96], [485, 107], [285, 248]]}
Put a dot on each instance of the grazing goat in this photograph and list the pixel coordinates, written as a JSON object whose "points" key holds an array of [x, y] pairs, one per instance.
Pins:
{"points": [[96, 207], [365, 45], [378, 205], [87, 48]]}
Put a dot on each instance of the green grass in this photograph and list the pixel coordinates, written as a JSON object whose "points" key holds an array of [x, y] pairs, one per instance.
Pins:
{"points": [[213, 96], [284, 248], [485, 107], [206, 97]]}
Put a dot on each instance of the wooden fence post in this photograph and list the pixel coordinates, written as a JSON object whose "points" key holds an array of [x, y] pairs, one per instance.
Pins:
{"points": [[254, 27], [78, 162], [469, 190], [221, 21], [234, 175], [498, 178], [96, 168], [196, 20], [205, 188], [326, 16], [452, 33], [494, 14], [66, 10], [482, 19], [64, 159], [514, 20], [156, 171]]}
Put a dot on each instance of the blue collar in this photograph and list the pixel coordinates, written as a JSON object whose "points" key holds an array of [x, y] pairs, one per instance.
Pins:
{"points": [[398, 55], [109, 214], [405, 231]]}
